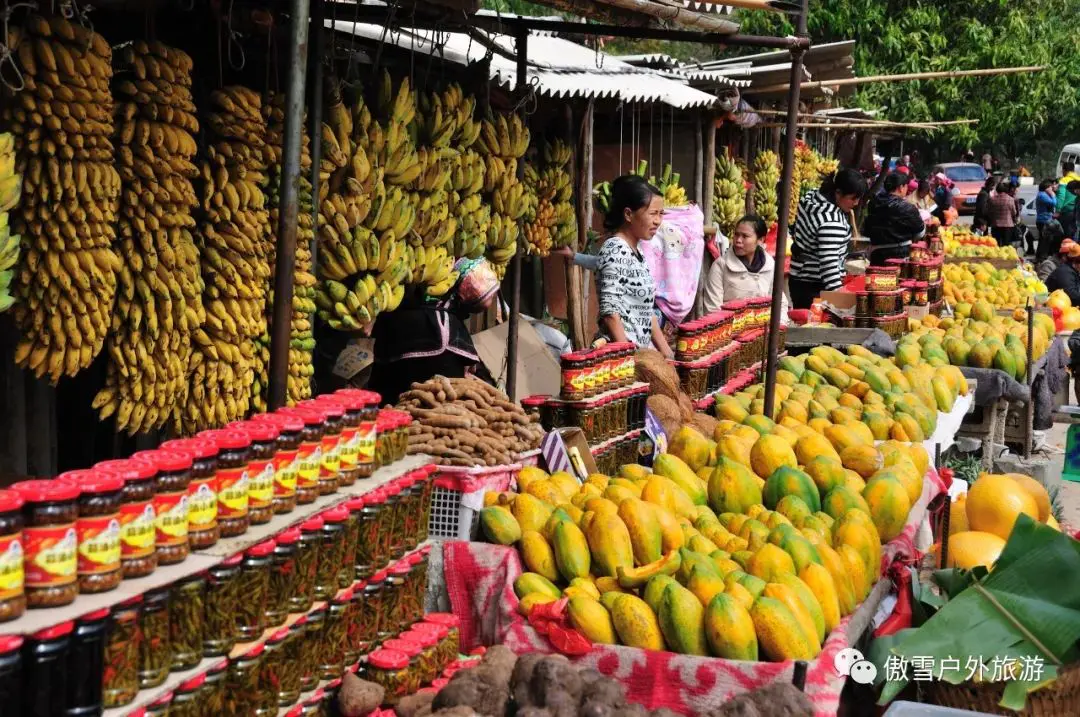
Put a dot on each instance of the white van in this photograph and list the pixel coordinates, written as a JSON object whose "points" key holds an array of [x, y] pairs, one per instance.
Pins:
{"points": [[1070, 153]]}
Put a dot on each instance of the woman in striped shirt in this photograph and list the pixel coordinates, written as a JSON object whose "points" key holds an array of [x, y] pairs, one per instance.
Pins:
{"points": [[821, 236]]}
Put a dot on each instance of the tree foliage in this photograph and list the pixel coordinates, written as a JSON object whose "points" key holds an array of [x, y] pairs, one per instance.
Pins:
{"points": [[897, 36]]}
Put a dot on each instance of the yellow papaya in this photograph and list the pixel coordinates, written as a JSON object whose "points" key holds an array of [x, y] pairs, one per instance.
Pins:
{"points": [[889, 506], [729, 630], [689, 560], [546, 491], [732, 488], [636, 624], [602, 505], [529, 474], [700, 544], [671, 535], [786, 595], [566, 483], [813, 446], [609, 542], [793, 508], [863, 459], [660, 492], [528, 602], [801, 550], [571, 549], [535, 583], [769, 561], [608, 600], [557, 516], [682, 621], [617, 494], [755, 533], [530, 512], [769, 453], [736, 447], [739, 592], [678, 472], [691, 447], [537, 555], [628, 484], [629, 578], [843, 436], [606, 584], [809, 600], [499, 525], [634, 472], [644, 528], [845, 589], [753, 584], [705, 584], [598, 481], [587, 586], [779, 634], [820, 582], [591, 619], [856, 569], [654, 591]]}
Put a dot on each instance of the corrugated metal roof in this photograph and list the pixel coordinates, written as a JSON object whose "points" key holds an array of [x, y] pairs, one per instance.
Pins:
{"points": [[557, 67]]}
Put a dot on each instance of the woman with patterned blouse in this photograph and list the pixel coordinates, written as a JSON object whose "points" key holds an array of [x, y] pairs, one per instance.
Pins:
{"points": [[626, 288]]}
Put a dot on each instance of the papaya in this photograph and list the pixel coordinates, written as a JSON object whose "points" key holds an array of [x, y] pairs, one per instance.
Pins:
{"points": [[654, 591], [857, 538], [793, 508], [528, 602], [801, 550], [591, 619], [629, 578], [809, 601], [705, 584], [644, 529], [557, 516], [770, 453], [585, 585], [820, 582], [841, 499], [817, 365], [700, 544], [609, 543], [571, 551], [863, 459], [529, 474], [879, 424], [499, 525], [842, 583], [793, 365], [943, 395], [660, 492], [599, 480], [779, 634], [689, 560], [537, 555], [769, 561], [794, 411], [755, 533], [735, 447], [607, 584], [679, 473], [904, 473], [682, 621], [861, 580], [530, 512], [1005, 361], [762, 424], [889, 505], [729, 408], [691, 447], [736, 590], [786, 595], [566, 483], [671, 534], [788, 480], [826, 472], [732, 487], [724, 564], [781, 531], [609, 599], [813, 446], [817, 525], [545, 490], [617, 494], [729, 630], [843, 436], [535, 583], [635, 623]]}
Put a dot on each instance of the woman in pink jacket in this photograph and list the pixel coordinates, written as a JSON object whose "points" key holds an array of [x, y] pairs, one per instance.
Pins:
{"points": [[745, 270]]}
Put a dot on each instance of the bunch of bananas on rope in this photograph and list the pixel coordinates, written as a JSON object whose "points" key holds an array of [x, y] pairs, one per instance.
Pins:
{"points": [[301, 335], [63, 125], [473, 215], [556, 176], [228, 365], [729, 194], [10, 188], [159, 295], [766, 177], [826, 168], [804, 177], [503, 140], [668, 183]]}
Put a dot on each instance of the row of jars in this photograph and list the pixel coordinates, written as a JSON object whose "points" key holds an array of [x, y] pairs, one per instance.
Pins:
{"points": [[591, 372], [87, 530]]}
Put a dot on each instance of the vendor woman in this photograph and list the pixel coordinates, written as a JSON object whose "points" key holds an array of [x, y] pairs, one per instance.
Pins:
{"points": [[626, 289], [745, 270]]}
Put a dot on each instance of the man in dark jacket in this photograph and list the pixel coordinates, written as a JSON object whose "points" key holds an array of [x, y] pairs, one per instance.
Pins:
{"points": [[982, 206], [892, 223], [1067, 276]]}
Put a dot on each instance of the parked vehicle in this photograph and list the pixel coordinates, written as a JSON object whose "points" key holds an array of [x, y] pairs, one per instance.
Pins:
{"points": [[968, 178], [1069, 153]]}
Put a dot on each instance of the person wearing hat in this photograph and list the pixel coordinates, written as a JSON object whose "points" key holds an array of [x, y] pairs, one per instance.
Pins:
{"points": [[1067, 276]]}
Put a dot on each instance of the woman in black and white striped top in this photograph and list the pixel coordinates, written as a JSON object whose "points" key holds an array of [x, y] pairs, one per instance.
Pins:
{"points": [[821, 236]]}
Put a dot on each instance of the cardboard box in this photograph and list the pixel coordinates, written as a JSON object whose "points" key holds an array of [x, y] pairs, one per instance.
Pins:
{"points": [[839, 299], [581, 460], [537, 370]]}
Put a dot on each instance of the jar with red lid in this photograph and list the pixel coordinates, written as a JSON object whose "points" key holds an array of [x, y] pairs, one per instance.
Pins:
{"points": [[186, 700], [365, 405], [272, 672], [212, 692], [344, 449], [50, 542], [332, 652], [254, 590], [429, 665], [572, 367], [369, 614], [308, 557], [159, 707], [387, 627], [355, 506], [187, 614], [309, 452], [397, 603], [286, 446], [11, 669], [12, 595], [203, 530], [444, 650], [330, 462], [452, 623], [242, 693], [389, 669], [222, 597], [288, 690], [412, 650], [171, 505], [98, 528], [120, 678], [86, 664], [233, 480], [138, 554], [332, 558], [283, 576], [367, 547], [46, 672], [398, 506], [260, 468], [155, 650], [312, 646], [353, 628]]}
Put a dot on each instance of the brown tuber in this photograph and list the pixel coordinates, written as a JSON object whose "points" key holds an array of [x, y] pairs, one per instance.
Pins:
{"points": [[417, 705], [776, 700], [357, 697]]}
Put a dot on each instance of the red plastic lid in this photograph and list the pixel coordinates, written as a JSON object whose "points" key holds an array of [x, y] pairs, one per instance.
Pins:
{"points": [[10, 643], [257, 430], [401, 568], [162, 701], [46, 491], [287, 537], [198, 447], [279, 635], [10, 501], [358, 589], [344, 596], [414, 559], [219, 667], [426, 550], [284, 421], [440, 683], [423, 638], [255, 651], [95, 615], [228, 438], [387, 659], [333, 684], [262, 549], [137, 712], [351, 401], [439, 631], [378, 577], [130, 469], [410, 648], [534, 401], [170, 460], [130, 602], [300, 622], [338, 514], [311, 524], [443, 618], [94, 481], [296, 711], [310, 415], [355, 504], [332, 406], [232, 560], [192, 684], [51, 633]]}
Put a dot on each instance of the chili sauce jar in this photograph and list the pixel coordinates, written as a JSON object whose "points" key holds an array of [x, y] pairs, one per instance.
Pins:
{"points": [[98, 528], [12, 595], [309, 452], [285, 450], [232, 480], [171, 506], [50, 541], [203, 530], [138, 552], [263, 435]]}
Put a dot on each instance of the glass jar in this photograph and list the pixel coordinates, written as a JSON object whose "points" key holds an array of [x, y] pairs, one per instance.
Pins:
{"points": [[309, 453], [120, 678], [332, 558], [232, 481], [86, 664], [242, 695], [212, 693], [260, 469], [332, 650], [46, 670], [273, 669], [203, 530], [367, 617], [390, 518], [367, 547], [428, 667], [452, 623], [187, 699], [308, 558], [428, 483], [312, 647], [390, 669], [171, 506], [187, 612], [353, 628], [285, 448], [220, 605], [160, 706], [348, 575], [254, 587], [358, 436], [398, 604], [12, 597], [138, 554], [410, 506], [11, 670], [418, 574], [387, 628], [286, 684], [283, 576], [293, 648], [443, 649], [383, 425], [50, 543], [155, 650], [330, 476], [97, 528]]}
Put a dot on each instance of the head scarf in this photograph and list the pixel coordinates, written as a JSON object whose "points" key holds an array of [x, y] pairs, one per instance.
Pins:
{"points": [[477, 281]]}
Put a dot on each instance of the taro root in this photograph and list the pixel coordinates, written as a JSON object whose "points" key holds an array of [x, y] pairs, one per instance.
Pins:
{"points": [[417, 705], [358, 697], [474, 688], [776, 700]]}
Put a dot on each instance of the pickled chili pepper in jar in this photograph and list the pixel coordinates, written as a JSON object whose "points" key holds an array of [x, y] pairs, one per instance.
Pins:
{"points": [[285, 461], [380, 584], [233, 480], [12, 595], [308, 558], [413, 650], [393, 525], [270, 673], [120, 676], [11, 669], [212, 692], [332, 650], [452, 623], [98, 528], [138, 554], [283, 576], [352, 650], [332, 558], [288, 676], [263, 435], [311, 648], [219, 607], [171, 505], [309, 452], [429, 659], [428, 482], [160, 706], [46, 670], [187, 612], [401, 612], [242, 696], [390, 669], [50, 542], [408, 504], [86, 664], [443, 649], [203, 530], [254, 587], [353, 523], [186, 701], [368, 557], [155, 651]]}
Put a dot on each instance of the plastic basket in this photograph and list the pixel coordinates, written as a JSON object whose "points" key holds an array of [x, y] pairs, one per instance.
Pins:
{"points": [[458, 495]]}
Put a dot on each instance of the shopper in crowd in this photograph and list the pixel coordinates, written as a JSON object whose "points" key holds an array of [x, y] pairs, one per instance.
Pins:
{"points": [[1066, 200], [982, 206], [1003, 214], [943, 187], [626, 289], [1067, 275], [821, 236], [1045, 219], [892, 224], [922, 197], [745, 270]]}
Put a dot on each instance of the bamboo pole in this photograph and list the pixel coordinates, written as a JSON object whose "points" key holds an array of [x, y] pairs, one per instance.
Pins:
{"points": [[904, 77], [575, 297], [710, 168], [699, 160], [675, 14], [929, 126], [858, 120]]}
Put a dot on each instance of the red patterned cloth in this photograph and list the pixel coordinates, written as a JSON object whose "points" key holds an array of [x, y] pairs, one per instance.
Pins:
{"points": [[479, 579]]}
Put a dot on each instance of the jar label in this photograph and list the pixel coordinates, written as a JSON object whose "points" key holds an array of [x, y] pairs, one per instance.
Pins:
{"points": [[261, 485], [136, 530], [348, 448], [331, 459], [11, 566], [99, 544], [202, 504], [285, 463], [171, 519], [51, 555], [309, 461], [365, 443], [232, 492]]}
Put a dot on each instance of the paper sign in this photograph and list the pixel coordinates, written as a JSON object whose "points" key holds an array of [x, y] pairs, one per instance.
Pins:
{"points": [[655, 431], [354, 358]]}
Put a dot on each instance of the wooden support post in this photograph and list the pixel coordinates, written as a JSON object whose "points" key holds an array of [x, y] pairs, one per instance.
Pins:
{"points": [[576, 278], [709, 178], [699, 161], [574, 308]]}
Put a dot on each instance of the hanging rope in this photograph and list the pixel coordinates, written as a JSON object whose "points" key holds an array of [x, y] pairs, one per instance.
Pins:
{"points": [[622, 121], [234, 41], [7, 56]]}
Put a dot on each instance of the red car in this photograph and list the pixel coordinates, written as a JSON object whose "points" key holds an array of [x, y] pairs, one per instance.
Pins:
{"points": [[968, 178]]}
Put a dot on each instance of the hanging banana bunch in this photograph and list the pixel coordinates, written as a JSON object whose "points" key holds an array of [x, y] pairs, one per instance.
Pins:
{"points": [[557, 174], [729, 194], [766, 177], [503, 140], [62, 123], [10, 189]]}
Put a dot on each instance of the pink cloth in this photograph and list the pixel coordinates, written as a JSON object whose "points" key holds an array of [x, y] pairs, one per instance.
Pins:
{"points": [[674, 257]]}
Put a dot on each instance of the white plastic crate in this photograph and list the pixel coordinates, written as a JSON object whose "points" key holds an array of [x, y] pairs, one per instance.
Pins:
{"points": [[458, 496]]}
